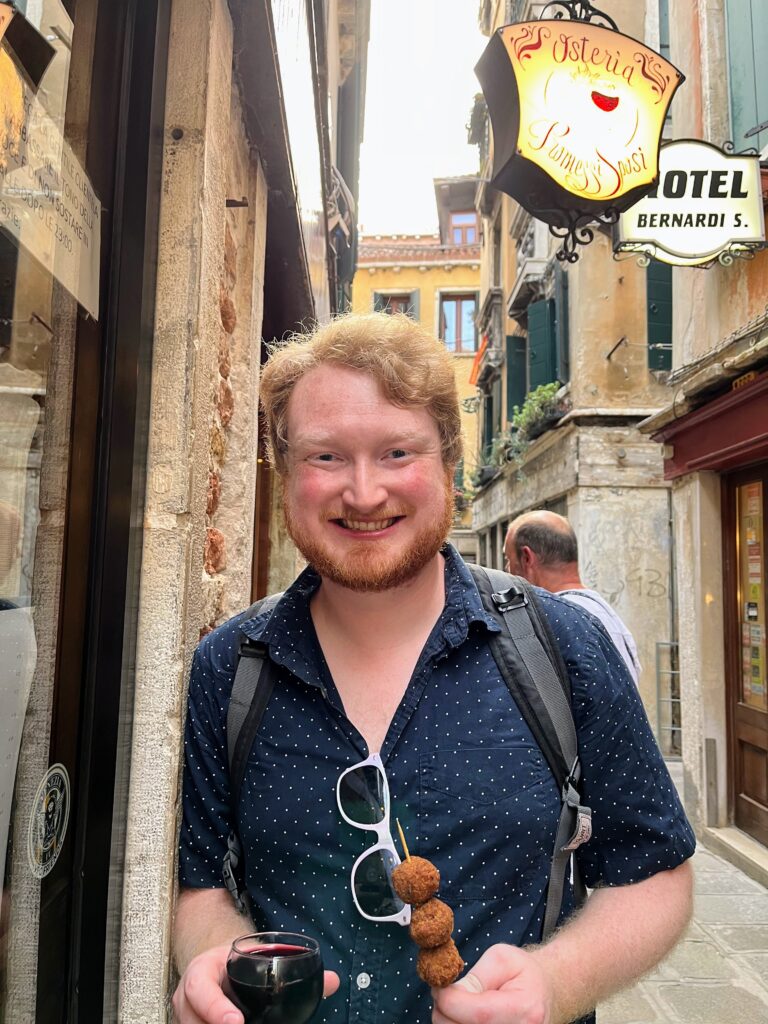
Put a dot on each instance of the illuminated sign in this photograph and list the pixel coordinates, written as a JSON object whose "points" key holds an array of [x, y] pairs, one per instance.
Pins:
{"points": [[577, 111], [706, 207]]}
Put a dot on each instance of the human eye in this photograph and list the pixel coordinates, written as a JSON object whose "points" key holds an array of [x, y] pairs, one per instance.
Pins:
{"points": [[398, 453], [324, 457]]}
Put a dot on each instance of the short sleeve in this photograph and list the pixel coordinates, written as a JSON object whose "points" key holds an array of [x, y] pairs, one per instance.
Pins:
{"points": [[639, 825], [207, 818]]}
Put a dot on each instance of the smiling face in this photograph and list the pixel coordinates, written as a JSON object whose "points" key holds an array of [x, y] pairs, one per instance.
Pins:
{"points": [[367, 498]]}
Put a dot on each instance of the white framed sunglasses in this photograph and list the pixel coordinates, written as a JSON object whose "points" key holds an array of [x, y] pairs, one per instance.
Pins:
{"points": [[362, 795]]}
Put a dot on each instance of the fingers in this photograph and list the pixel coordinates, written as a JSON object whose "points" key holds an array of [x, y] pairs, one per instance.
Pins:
{"points": [[199, 998], [501, 988], [498, 965], [331, 984], [488, 1007]]}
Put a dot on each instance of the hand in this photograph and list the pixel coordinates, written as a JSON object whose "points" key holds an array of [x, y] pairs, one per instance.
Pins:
{"points": [[199, 998], [507, 985]]}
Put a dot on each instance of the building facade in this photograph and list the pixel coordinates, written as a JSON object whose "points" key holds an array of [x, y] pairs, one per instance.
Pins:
{"points": [[573, 357], [177, 189], [435, 279], [713, 431], [674, 536]]}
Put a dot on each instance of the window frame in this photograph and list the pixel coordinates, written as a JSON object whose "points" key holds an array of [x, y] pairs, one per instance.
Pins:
{"points": [[459, 297], [463, 228]]}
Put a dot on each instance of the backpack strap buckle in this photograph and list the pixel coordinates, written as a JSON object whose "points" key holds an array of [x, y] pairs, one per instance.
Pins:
{"points": [[510, 598]]}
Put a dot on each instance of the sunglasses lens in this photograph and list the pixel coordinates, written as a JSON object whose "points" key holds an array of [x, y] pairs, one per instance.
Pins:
{"points": [[361, 795], [373, 886]]}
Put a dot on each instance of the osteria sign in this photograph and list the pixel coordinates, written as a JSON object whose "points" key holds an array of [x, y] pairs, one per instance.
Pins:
{"points": [[707, 206], [591, 105]]}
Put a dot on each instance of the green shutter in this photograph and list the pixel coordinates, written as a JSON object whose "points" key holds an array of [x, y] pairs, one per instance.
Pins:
{"points": [[487, 439], [747, 30], [516, 365], [413, 308], [659, 306], [542, 343], [562, 367], [497, 406]]}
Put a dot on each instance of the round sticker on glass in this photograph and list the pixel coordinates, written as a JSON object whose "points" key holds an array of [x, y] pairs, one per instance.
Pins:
{"points": [[48, 822]]}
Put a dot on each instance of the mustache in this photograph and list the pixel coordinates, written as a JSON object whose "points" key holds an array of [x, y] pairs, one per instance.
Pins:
{"points": [[385, 513]]}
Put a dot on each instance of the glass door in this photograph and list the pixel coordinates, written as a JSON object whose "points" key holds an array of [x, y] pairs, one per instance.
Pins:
{"points": [[80, 162]]}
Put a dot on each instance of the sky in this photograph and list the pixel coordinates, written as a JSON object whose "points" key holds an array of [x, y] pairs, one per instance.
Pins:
{"points": [[419, 95]]}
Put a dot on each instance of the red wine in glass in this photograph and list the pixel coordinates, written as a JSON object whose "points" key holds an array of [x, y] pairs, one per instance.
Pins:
{"points": [[275, 977]]}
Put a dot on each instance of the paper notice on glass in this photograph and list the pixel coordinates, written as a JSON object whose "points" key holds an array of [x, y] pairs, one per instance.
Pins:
{"points": [[754, 499], [47, 203]]}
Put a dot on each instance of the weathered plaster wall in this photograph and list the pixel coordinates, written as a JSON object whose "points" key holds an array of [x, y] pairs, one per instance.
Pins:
{"points": [[627, 559], [408, 278], [205, 383], [709, 305], [607, 302], [698, 543]]}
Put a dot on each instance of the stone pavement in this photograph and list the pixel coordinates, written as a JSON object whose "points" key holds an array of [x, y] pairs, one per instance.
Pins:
{"points": [[719, 972]]}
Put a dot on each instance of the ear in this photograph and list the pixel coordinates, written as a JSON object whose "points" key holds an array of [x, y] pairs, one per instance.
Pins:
{"points": [[527, 557], [529, 565]]}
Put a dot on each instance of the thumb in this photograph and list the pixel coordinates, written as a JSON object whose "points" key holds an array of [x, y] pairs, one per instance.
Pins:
{"points": [[498, 965], [330, 983]]}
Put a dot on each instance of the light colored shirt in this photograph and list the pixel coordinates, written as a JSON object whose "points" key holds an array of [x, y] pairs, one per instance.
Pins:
{"points": [[623, 640]]}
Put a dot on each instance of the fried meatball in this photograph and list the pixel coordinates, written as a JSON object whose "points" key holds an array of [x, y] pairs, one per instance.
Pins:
{"points": [[440, 966], [416, 880], [431, 924]]}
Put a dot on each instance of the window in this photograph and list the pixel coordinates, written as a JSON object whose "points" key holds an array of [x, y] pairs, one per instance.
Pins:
{"points": [[464, 228], [402, 302], [457, 322], [747, 29]]}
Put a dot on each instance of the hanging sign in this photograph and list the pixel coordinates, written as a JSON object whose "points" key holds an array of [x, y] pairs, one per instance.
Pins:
{"points": [[706, 207], [577, 111]]}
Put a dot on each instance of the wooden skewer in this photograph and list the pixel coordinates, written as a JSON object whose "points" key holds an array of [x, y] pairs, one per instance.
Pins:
{"points": [[402, 839]]}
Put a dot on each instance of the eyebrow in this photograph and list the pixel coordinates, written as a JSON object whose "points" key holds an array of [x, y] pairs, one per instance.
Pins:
{"points": [[397, 439]]}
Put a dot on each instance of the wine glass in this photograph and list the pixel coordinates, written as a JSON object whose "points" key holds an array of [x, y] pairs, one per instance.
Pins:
{"points": [[275, 977]]}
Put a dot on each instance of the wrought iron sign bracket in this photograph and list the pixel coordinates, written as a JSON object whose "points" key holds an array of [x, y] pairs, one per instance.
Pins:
{"points": [[579, 229], [577, 10]]}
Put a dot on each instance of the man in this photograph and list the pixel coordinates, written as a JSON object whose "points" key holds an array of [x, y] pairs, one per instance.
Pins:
{"points": [[542, 547], [381, 647]]}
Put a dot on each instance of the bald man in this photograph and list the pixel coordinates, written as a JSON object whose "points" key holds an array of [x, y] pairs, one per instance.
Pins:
{"points": [[542, 548]]}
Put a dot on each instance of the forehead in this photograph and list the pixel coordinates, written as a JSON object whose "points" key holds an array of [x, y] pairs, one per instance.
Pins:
{"points": [[337, 401]]}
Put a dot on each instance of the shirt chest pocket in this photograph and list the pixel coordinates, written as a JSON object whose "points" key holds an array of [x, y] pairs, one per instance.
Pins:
{"points": [[487, 818]]}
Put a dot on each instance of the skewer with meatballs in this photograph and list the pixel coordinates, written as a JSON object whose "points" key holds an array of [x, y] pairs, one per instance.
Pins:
{"points": [[416, 881]]}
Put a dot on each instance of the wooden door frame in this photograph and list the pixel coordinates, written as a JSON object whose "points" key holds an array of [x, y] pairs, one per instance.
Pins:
{"points": [[731, 616]]}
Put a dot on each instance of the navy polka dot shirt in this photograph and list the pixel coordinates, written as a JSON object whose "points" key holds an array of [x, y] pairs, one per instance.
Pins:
{"points": [[467, 781]]}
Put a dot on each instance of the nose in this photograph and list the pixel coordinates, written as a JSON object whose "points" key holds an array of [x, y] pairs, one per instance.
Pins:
{"points": [[364, 489]]}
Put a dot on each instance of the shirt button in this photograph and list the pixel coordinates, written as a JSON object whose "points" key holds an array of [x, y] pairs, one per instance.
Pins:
{"points": [[363, 980]]}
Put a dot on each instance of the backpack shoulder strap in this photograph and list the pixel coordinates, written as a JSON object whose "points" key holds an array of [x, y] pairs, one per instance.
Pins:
{"points": [[251, 690], [533, 669]]}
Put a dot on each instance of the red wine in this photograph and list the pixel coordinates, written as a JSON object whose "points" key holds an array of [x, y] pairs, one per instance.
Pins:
{"points": [[277, 983]]}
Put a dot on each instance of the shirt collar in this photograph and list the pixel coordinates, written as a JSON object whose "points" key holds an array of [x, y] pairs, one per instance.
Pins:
{"points": [[290, 617]]}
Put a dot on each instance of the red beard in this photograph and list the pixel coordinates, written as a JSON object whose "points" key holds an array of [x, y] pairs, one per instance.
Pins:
{"points": [[364, 568]]}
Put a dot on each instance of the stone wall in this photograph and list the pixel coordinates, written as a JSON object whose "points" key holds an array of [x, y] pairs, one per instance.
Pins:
{"points": [[198, 521], [611, 481]]}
